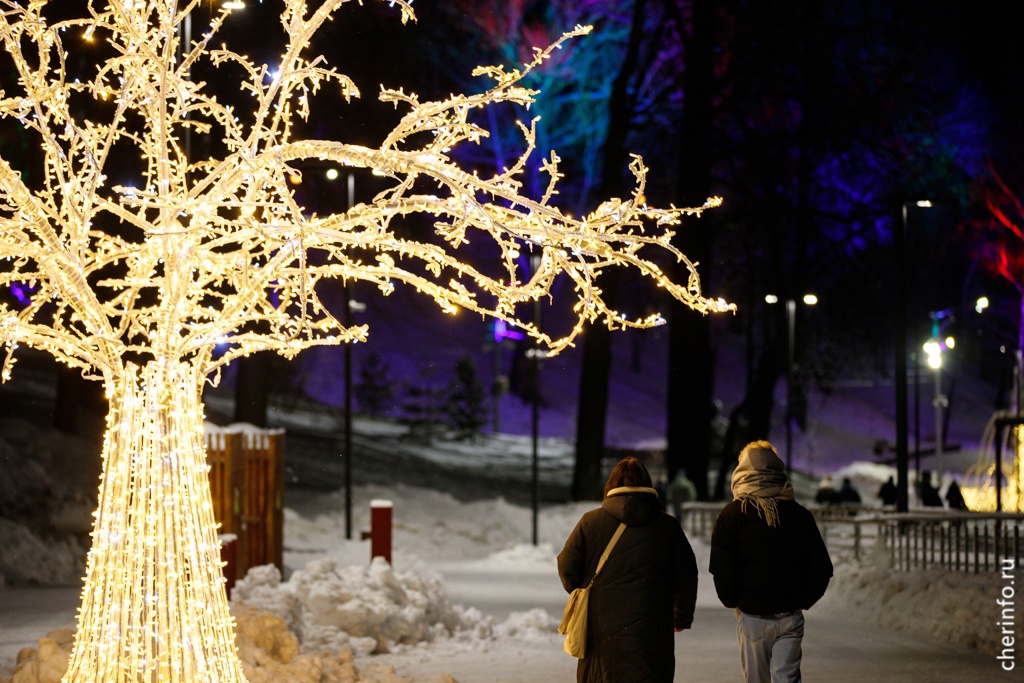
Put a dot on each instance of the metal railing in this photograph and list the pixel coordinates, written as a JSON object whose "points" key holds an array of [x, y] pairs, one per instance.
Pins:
{"points": [[956, 541], [921, 539], [698, 519]]}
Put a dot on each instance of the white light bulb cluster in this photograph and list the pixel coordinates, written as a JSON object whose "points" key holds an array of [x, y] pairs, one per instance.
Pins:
{"points": [[934, 349], [137, 282]]}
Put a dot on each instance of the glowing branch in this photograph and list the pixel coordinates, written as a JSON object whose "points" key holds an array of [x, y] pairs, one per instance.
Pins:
{"points": [[182, 255]]}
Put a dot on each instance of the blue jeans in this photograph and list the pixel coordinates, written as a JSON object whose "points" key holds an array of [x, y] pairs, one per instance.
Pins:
{"points": [[770, 647]]}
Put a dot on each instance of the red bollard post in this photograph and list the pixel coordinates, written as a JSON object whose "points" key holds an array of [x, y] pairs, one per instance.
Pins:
{"points": [[380, 529], [229, 556]]}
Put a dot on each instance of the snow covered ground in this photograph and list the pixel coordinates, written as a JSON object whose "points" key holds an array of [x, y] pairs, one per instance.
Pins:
{"points": [[469, 596]]}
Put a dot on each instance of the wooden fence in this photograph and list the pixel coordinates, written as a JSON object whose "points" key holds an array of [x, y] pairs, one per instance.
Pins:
{"points": [[247, 482]]}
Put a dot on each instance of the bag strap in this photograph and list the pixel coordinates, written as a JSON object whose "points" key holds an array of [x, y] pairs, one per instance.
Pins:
{"points": [[607, 551]]}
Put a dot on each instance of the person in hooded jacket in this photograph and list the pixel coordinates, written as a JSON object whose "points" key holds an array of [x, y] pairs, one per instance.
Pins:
{"points": [[770, 563], [647, 589]]}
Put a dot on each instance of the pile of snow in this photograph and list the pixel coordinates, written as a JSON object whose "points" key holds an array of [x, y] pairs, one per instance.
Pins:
{"points": [[45, 663], [269, 653], [33, 558], [956, 608], [371, 610], [45, 519], [428, 526]]}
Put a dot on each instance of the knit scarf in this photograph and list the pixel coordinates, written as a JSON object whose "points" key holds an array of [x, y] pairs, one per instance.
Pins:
{"points": [[760, 480]]}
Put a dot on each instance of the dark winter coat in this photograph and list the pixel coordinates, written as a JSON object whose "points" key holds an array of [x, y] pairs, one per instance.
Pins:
{"points": [[648, 588], [768, 569]]}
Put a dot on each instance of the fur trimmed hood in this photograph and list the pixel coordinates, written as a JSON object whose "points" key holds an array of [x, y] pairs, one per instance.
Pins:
{"points": [[634, 505]]}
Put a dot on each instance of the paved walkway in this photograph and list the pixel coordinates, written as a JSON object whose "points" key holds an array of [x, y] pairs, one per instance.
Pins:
{"points": [[835, 651]]}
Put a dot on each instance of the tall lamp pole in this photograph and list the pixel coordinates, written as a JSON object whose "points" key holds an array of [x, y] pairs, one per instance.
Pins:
{"points": [[808, 300], [535, 410], [934, 349], [790, 353], [347, 322], [899, 248], [917, 415]]}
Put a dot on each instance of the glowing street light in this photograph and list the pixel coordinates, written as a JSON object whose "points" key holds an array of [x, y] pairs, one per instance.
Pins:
{"points": [[935, 348], [933, 353], [808, 300]]}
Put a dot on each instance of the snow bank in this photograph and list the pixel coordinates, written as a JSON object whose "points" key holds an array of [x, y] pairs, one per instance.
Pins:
{"points": [[45, 519], [371, 610], [428, 526], [951, 607], [269, 653], [29, 558]]}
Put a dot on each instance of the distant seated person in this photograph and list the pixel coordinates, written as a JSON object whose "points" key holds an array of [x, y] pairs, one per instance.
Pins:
{"points": [[848, 494], [827, 494], [888, 492], [929, 494], [955, 497]]}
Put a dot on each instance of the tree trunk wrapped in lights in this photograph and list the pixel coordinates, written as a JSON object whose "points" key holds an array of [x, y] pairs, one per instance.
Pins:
{"points": [[135, 283], [154, 598]]}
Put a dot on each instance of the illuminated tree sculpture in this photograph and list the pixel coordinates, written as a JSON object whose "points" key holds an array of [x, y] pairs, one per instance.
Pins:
{"points": [[135, 283]]}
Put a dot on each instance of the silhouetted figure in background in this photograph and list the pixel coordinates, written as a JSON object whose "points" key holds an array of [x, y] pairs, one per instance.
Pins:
{"points": [[827, 494], [680, 490], [848, 494], [888, 492], [929, 494], [955, 498]]}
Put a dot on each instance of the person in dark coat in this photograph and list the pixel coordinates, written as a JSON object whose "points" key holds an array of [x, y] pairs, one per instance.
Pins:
{"points": [[888, 492], [826, 493], [848, 494], [678, 493], [647, 589], [770, 563], [955, 497], [929, 494]]}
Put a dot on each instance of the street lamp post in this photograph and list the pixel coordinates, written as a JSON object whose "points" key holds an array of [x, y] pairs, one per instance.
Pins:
{"points": [[790, 358], [899, 243], [808, 300], [535, 353], [934, 350], [347, 322], [916, 360]]}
